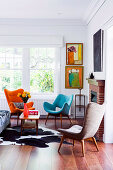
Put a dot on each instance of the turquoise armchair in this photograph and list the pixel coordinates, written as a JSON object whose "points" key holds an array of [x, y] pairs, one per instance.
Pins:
{"points": [[60, 107]]}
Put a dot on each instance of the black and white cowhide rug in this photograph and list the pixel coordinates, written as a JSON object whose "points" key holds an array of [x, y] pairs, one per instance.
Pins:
{"points": [[12, 136]]}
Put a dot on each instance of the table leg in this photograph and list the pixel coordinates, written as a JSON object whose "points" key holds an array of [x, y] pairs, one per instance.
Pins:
{"points": [[36, 127], [75, 107], [84, 106], [21, 126]]}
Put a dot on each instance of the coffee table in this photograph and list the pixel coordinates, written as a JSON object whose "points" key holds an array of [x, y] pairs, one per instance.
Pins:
{"points": [[25, 124]]}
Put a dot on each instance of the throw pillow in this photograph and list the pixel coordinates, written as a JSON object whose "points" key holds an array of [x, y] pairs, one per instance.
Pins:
{"points": [[19, 105]]}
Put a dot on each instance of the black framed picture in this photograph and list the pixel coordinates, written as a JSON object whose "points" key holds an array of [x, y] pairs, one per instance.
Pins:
{"points": [[98, 51]]}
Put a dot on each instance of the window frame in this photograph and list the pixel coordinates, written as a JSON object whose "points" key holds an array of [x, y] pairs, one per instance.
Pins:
{"points": [[11, 69], [49, 69], [25, 84]]}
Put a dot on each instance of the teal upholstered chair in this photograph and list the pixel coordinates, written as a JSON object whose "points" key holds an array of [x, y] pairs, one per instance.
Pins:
{"points": [[60, 107]]}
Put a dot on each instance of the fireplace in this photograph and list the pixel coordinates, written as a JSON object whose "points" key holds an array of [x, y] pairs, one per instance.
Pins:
{"points": [[93, 96], [96, 94]]}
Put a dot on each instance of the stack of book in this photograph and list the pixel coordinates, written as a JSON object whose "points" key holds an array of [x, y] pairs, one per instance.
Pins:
{"points": [[33, 112]]}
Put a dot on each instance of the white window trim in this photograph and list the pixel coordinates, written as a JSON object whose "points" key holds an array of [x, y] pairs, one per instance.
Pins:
{"points": [[26, 42], [26, 70], [26, 73]]}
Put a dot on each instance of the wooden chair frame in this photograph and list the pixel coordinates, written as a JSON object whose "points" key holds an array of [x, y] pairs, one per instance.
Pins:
{"points": [[58, 115], [16, 116], [82, 143]]}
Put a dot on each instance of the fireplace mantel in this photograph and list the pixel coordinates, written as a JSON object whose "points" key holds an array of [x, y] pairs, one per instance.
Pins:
{"points": [[96, 82], [98, 87]]}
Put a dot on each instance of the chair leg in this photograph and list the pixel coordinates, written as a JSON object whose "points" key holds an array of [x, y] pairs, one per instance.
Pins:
{"points": [[46, 118], [94, 140], [69, 119], [17, 121], [61, 119], [62, 139], [9, 125], [17, 118], [83, 151], [73, 142], [55, 121]]}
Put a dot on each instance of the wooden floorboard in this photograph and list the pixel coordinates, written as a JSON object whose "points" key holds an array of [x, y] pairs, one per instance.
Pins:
{"points": [[16, 157]]}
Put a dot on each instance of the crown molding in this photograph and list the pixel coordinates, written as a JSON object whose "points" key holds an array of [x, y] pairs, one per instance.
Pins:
{"points": [[43, 22], [89, 14], [92, 10]]}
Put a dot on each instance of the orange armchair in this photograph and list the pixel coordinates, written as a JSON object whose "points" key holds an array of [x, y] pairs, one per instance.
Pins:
{"points": [[11, 97]]}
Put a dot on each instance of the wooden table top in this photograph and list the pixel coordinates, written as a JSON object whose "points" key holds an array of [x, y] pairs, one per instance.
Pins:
{"points": [[30, 117]]}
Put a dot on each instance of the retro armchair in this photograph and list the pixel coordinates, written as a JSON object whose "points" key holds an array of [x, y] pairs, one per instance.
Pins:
{"points": [[93, 118], [60, 107], [11, 97]]}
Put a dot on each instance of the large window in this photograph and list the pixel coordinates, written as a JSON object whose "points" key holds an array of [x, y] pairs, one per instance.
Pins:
{"points": [[42, 67], [30, 68], [10, 68]]}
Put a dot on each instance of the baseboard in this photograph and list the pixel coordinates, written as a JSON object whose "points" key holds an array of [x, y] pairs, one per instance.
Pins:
{"points": [[52, 117]]}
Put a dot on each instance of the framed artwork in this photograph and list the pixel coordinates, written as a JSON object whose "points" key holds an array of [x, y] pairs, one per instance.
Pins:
{"points": [[74, 77], [74, 53], [98, 51]]}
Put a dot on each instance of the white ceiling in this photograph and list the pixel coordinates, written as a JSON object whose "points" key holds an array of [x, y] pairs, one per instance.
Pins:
{"points": [[45, 9]]}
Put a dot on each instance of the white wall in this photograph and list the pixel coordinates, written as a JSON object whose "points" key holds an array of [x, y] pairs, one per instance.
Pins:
{"points": [[109, 87], [72, 32], [101, 20]]}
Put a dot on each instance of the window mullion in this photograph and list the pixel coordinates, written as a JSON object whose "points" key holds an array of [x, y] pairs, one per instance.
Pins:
{"points": [[57, 80], [26, 70]]}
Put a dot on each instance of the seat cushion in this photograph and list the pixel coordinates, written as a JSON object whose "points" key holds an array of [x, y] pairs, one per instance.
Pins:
{"points": [[74, 129]]}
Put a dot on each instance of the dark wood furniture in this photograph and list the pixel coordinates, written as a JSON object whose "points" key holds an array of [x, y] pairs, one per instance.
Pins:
{"points": [[80, 105], [15, 116], [58, 115], [29, 124]]}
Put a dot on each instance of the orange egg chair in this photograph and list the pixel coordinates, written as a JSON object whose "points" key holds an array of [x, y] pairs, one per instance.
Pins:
{"points": [[12, 98]]}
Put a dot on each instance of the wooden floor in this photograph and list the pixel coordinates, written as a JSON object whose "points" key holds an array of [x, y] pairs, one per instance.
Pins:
{"points": [[70, 158]]}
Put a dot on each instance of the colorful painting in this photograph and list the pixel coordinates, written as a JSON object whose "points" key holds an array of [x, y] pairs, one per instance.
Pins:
{"points": [[74, 53], [74, 77], [98, 51]]}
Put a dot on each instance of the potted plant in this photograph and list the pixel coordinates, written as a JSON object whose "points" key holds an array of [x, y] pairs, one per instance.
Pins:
{"points": [[25, 96]]}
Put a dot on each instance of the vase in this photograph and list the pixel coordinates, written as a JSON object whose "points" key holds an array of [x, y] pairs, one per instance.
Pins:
{"points": [[26, 111]]}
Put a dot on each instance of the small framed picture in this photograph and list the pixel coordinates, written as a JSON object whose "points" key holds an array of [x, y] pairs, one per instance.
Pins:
{"points": [[74, 77], [74, 53]]}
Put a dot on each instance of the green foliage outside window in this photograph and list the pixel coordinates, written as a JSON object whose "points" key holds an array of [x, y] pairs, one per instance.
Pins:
{"points": [[10, 79], [42, 81], [41, 69]]}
